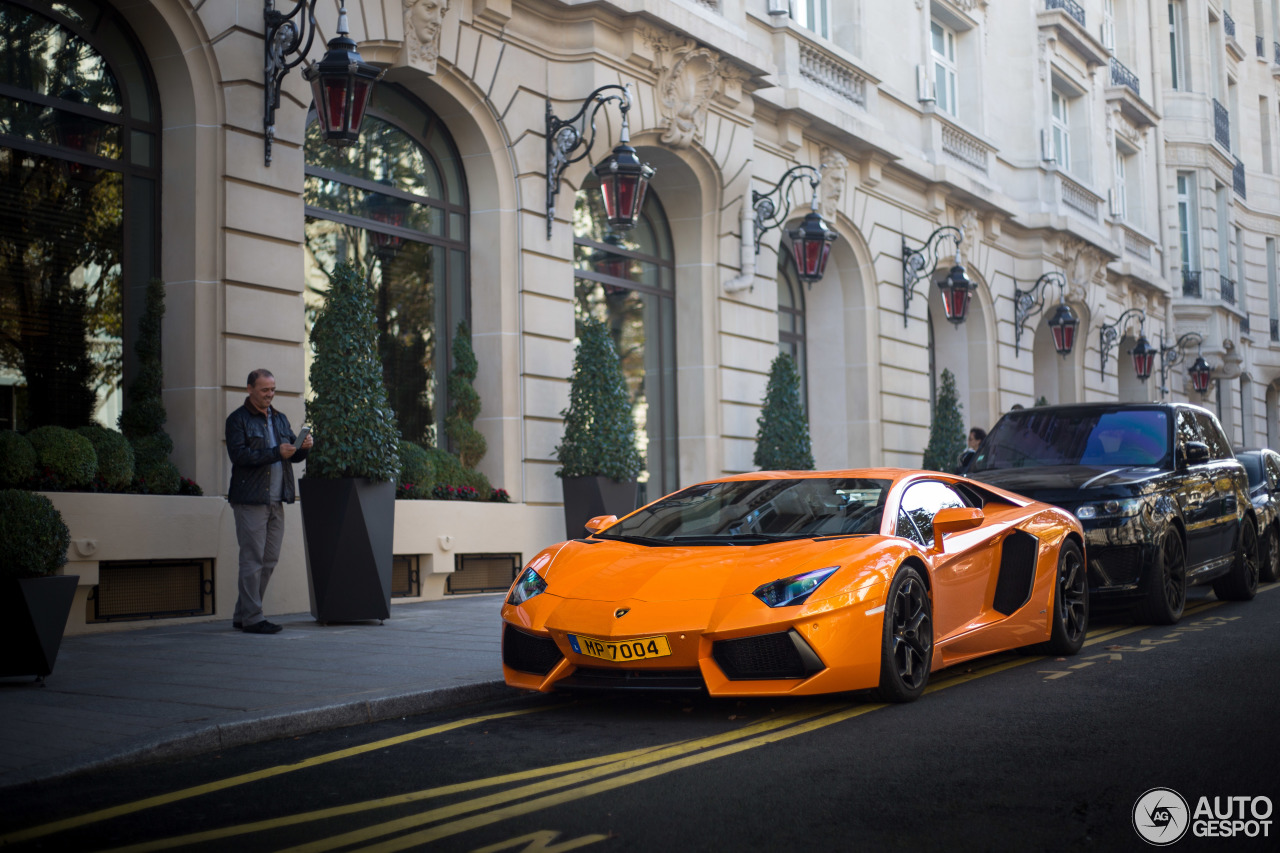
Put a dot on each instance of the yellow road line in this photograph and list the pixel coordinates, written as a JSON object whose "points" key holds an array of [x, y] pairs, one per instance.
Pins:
{"points": [[245, 778], [370, 805]]}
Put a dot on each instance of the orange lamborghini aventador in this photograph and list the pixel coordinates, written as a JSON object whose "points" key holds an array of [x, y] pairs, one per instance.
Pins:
{"points": [[796, 583]]}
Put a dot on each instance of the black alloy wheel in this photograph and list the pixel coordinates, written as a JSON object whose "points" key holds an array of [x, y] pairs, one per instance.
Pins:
{"points": [[906, 653], [1241, 583], [1166, 583], [1070, 603], [1269, 571]]}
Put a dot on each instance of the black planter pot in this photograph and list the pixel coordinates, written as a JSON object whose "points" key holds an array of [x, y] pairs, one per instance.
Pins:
{"points": [[587, 497], [33, 615], [347, 526]]}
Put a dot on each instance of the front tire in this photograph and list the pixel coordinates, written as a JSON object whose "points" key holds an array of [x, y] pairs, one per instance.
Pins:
{"points": [[906, 649], [1269, 571], [1070, 603], [1166, 584], [1241, 583]]}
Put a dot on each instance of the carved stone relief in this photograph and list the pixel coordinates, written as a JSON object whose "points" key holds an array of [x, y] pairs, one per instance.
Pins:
{"points": [[689, 76], [422, 20], [1084, 262], [971, 224], [835, 167]]}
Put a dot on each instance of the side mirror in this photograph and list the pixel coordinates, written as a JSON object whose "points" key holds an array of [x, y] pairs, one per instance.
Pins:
{"points": [[600, 522], [954, 520], [1195, 453]]}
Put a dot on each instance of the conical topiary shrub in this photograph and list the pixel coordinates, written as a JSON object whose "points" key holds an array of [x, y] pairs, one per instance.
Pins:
{"points": [[947, 435], [144, 416], [464, 402], [782, 442], [598, 458], [348, 493]]}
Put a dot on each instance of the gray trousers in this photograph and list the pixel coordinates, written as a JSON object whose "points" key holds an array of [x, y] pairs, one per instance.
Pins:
{"points": [[259, 530]]}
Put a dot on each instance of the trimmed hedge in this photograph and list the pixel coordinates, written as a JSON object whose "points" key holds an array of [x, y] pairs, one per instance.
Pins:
{"points": [[17, 459], [33, 537], [115, 456], [68, 457]]}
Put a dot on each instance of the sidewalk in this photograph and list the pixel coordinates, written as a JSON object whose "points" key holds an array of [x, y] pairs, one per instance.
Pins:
{"points": [[175, 690]]}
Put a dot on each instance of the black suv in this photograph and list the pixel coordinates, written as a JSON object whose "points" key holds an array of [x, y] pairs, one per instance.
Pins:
{"points": [[1163, 501]]}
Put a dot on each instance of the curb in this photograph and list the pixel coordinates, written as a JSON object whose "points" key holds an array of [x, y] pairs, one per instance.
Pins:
{"points": [[191, 742]]}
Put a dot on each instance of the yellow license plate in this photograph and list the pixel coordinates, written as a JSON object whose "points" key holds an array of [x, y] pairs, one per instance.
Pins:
{"points": [[621, 650]]}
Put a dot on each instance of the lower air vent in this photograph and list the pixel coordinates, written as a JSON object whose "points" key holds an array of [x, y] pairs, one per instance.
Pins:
{"points": [[527, 653], [590, 678], [781, 655], [1017, 571]]}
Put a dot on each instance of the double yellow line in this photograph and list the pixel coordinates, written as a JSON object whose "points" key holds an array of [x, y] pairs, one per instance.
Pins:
{"points": [[542, 788]]}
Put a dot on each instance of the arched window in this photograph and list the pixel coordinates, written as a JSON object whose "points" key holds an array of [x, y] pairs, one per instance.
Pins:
{"points": [[79, 191], [791, 328], [628, 281], [395, 204]]}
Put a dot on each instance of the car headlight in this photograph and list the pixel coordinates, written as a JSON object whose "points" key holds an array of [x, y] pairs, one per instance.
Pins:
{"points": [[1110, 509], [793, 590], [529, 584]]}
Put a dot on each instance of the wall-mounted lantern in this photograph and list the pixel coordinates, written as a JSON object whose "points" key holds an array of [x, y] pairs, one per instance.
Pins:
{"points": [[1062, 323], [1143, 354], [1173, 354], [811, 240], [956, 287]]}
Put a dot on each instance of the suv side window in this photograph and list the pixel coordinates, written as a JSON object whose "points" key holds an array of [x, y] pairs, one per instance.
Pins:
{"points": [[1272, 470], [1187, 429], [1219, 447], [919, 504]]}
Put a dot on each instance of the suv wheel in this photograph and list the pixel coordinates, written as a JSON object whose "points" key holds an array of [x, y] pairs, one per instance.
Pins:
{"points": [[1269, 571], [1166, 584], [1241, 583]]}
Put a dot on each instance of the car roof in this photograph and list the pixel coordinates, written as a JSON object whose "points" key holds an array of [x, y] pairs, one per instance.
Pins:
{"points": [[1107, 407]]}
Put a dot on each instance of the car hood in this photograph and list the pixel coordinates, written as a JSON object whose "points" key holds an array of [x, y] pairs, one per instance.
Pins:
{"points": [[1067, 483], [616, 571]]}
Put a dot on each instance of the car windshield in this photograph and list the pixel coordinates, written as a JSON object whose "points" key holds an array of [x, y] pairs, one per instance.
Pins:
{"points": [[1252, 463], [1028, 439], [754, 512]]}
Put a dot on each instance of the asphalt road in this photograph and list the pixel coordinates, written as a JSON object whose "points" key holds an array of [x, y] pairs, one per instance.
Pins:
{"points": [[1013, 753]]}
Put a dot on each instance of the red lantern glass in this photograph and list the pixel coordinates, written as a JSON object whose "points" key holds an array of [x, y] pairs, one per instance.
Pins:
{"points": [[1063, 325], [1144, 357], [623, 181], [341, 83], [956, 291], [1200, 371], [386, 210], [811, 246]]}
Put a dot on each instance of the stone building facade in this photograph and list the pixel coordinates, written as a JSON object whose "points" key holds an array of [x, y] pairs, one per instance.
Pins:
{"points": [[1130, 145]]}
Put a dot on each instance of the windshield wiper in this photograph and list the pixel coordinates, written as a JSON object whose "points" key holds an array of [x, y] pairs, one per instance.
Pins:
{"points": [[638, 540]]}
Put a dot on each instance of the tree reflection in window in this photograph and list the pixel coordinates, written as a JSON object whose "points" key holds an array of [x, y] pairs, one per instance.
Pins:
{"points": [[395, 204], [77, 137], [791, 320], [627, 280]]}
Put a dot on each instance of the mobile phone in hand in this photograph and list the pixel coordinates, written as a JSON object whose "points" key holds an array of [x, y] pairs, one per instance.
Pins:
{"points": [[302, 436]]}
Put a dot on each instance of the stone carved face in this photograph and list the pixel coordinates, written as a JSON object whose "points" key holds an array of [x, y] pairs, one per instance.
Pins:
{"points": [[422, 21], [834, 175]]}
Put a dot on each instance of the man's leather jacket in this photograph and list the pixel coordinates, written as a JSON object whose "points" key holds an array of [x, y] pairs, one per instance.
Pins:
{"points": [[252, 455]]}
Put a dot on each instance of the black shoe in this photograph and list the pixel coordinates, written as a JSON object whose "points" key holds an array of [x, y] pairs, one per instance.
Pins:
{"points": [[263, 627], [237, 624]]}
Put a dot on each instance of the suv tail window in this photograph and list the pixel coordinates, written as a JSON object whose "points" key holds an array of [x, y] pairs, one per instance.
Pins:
{"points": [[1029, 439]]}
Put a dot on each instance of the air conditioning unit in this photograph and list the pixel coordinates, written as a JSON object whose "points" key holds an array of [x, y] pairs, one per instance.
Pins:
{"points": [[1113, 202], [1046, 146], [925, 90]]}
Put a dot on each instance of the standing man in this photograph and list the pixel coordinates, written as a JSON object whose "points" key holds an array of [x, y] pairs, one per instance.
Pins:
{"points": [[260, 444]]}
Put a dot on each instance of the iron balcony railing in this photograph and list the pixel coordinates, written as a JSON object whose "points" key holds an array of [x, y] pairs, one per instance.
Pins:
{"points": [[1191, 283], [1275, 329], [1229, 24], [1237, 178], [1227, 288], [1071, 7], [1122, 76], [1221, 125]]}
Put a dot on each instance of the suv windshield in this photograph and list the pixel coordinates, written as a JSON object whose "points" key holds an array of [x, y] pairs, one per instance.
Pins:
{"points": [[753, 512], [1112, 439]]}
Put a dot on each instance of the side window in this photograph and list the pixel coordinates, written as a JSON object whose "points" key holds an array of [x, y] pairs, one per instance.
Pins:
{"points": [[1219, 447], [919, 504], [1188, 428], [1272, 470]]}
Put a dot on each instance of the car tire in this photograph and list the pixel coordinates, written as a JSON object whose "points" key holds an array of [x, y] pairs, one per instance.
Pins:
{"points": [[906, 648], [1241, 583], [1070, 620], [1269, 571], [1166, 583]]}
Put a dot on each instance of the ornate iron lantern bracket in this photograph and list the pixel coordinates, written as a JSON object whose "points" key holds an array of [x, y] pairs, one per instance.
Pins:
{"points": [[915, 262]]}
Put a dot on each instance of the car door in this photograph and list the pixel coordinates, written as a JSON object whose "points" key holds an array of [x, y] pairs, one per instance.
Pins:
{"points": [[1225, 474], [1193, 488], [960, 572]]}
